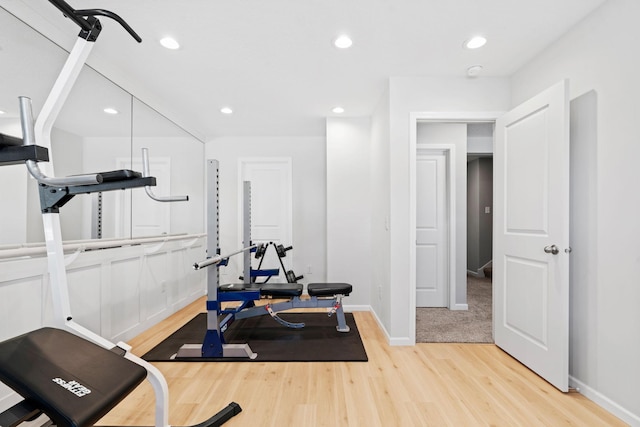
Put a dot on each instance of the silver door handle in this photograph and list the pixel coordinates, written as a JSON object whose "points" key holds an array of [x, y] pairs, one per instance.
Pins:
{"points": [[553, 249]]}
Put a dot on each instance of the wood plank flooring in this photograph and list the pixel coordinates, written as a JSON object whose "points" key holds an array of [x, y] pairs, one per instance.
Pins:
{"points": [[423, 385]]}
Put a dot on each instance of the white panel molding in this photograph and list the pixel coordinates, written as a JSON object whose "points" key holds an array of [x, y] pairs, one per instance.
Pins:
{"points": [[26, 282]]}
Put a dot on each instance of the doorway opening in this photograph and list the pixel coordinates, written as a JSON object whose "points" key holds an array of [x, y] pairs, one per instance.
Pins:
{"points": [[472, 136]]}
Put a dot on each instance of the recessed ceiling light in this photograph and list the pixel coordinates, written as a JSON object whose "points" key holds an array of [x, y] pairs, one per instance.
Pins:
{"points": [[2, 112], [475, 42], [338, 110], [110, 110], [343, 42], [474, 70], [170, 43], [226, 110]]}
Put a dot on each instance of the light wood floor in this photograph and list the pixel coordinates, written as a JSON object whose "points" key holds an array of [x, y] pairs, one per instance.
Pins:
{"points": [[424, 385]]}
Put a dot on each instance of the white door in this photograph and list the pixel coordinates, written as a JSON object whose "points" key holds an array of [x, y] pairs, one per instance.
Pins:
{"points": [[431, 230], [271, 207], [531, 234]]}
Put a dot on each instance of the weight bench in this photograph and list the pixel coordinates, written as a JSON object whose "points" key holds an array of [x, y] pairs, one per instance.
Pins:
{"points": [[71, 380], [320, 295], [327, 295]]}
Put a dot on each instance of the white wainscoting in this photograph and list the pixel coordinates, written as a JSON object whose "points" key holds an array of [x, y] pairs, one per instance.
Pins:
{"points": [[117, 293]]}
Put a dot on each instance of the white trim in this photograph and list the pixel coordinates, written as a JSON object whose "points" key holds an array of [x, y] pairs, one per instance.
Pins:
{"points": [[393, 341], [605, 402], [461, 307], [414, 118]]}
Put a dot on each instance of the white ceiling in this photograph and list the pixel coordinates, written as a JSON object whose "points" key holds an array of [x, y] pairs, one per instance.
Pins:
{"points": [[274, 63]]}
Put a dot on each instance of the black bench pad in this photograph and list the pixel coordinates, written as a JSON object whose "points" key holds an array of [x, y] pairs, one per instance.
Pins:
{"points": [[236, 287], [41, 365], [281, 290], [328, 289]]}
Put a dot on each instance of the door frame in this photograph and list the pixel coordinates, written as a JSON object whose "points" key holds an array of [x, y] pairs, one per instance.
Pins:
{"points": [[433, 117]]}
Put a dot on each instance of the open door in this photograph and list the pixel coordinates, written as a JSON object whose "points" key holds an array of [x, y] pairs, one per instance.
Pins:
{"points": [[531, 234]]}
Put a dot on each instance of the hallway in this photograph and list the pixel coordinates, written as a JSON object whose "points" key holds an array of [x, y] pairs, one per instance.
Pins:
{"points": [[470, 326]]}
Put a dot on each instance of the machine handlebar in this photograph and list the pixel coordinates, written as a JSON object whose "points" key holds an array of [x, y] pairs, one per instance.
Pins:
{"points": [[28, 133], [78, 16]]}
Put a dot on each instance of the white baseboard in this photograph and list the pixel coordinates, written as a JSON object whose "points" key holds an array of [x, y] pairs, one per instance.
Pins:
{"points": [[603, 401], [461, 307], [401, 341], [394, 341]]}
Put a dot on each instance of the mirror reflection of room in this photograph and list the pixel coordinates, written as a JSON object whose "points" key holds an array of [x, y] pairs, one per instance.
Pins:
{"points": [[101, 127]]}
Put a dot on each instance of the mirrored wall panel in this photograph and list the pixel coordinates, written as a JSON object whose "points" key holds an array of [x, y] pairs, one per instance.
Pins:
{"points": [[100, 128]]}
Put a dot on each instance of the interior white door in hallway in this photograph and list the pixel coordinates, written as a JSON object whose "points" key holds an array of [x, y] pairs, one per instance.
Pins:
{"points": [[271, 206], [531, 234], [432, 278]]}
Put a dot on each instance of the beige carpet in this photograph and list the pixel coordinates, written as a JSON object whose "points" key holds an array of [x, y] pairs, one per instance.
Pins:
{"points": [[472, 326]]}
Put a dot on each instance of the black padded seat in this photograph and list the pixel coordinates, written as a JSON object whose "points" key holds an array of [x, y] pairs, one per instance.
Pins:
{"points": [[72, 380], [236, 287], [283, 290], [328, 289], [119, 175]]}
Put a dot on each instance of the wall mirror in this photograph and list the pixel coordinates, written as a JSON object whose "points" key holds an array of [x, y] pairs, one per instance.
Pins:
{"points": [[87, 139]]}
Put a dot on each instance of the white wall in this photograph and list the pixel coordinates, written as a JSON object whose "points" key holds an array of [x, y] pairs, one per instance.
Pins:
{"points": [[348, 206], [600, 55], [308, 156], [422, 94], [480, 138], [380, 193]]}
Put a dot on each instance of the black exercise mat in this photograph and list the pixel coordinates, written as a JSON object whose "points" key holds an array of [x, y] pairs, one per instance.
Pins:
{"points": [[318, 341]]}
